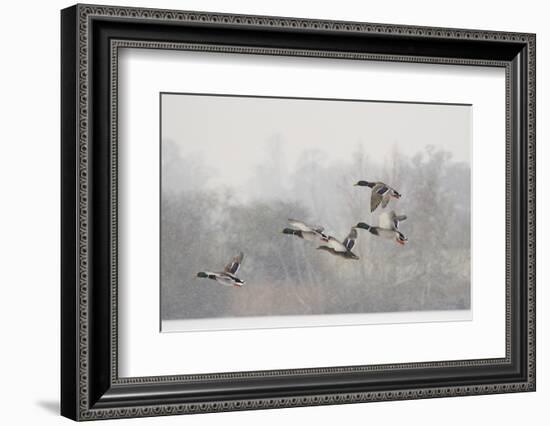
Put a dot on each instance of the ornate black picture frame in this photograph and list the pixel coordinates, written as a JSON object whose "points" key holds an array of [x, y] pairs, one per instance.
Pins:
{"points": [[90, 385]]}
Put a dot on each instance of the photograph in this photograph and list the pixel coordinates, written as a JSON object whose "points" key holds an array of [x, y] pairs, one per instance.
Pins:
{"points": [[261, 208], [290, 212]]}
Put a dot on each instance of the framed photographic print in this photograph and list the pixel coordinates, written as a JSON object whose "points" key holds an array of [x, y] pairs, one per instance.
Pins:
{"points": [[233, 189], [263, 212]]}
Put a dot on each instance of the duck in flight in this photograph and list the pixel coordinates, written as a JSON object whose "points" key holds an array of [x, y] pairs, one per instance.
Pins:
{"points": [[388, 227], [228, 277], [306, 232], [341, 249], [381, 193]]}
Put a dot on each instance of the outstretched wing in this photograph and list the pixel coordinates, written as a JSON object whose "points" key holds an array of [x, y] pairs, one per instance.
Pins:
{"points": [[381, 189], [349, 242], [377, 195], [389, 220], [233, 266], [302, 226], [398, 219], [375, 200]]}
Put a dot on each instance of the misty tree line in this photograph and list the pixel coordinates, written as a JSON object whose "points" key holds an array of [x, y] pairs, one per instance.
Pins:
{"points": [[201, 229]]}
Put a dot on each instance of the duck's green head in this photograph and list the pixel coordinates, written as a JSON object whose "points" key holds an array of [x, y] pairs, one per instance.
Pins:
{"points": [[364, 183], [363, 225], [290, 231], [202, 275]]}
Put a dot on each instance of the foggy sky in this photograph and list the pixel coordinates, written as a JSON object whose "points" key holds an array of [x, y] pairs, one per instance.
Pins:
{"points": [[231, 135]]}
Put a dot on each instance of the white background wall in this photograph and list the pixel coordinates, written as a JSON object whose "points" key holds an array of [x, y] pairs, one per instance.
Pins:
{"points": [[29, 212]]}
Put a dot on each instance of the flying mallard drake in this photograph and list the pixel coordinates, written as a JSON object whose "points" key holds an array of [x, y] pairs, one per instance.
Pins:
{"points": [[341, 249], [388, 227], [227, 277], [381, 193], [305, 231]]}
